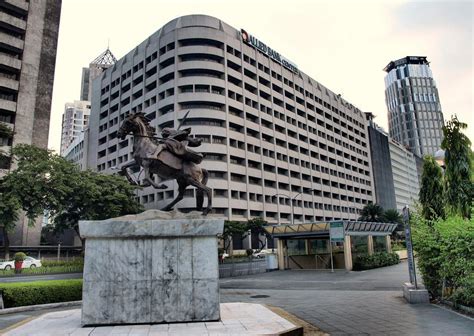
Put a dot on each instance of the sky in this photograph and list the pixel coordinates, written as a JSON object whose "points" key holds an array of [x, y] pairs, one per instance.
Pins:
{"points": [[342, 44]]}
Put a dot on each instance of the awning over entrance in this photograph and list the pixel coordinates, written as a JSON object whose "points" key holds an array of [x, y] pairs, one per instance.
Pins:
{"points": [[351, 228]]}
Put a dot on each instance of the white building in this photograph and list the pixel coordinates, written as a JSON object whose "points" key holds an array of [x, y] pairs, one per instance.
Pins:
{"points": [[270, 132], [75, 120], [405, 176]]}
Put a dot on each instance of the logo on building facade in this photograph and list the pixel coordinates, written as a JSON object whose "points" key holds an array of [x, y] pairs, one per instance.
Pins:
{"points": [[262, 47]]}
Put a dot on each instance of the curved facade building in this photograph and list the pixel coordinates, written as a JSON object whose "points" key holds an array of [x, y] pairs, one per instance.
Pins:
{"points": [[270, 132]]}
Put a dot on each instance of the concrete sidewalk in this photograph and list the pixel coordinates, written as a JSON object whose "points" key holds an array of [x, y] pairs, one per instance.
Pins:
{"points": [[348, 303], [236, 319]]}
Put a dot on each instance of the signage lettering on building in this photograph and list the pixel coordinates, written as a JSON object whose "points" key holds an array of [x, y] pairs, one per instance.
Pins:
{"points": [[262, 47]]}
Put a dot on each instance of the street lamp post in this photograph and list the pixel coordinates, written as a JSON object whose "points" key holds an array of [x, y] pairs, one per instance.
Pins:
{"points": [[291, 203]]}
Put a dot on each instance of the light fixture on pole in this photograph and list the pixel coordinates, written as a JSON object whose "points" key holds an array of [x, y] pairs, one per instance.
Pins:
{"points": [[291, 202], [439, 158]]}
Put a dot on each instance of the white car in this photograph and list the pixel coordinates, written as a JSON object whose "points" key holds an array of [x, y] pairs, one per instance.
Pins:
{"points": [[261, 254], [29, 262]]}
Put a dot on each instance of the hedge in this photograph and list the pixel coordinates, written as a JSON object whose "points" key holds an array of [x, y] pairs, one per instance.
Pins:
{"points": [[445, 254], [44, 270], [40, 292], [378, 259], [70, 262]]}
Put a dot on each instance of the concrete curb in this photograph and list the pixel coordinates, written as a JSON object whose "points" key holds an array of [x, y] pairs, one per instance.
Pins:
{"points": [[40, 307]]}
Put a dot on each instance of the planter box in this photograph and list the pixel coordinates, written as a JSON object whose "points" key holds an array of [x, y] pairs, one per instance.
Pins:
{"points": [[151, 268]]}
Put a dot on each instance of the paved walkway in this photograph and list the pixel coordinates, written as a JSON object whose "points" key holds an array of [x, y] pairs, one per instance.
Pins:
{"points": [[236, 319], [354, 303]]}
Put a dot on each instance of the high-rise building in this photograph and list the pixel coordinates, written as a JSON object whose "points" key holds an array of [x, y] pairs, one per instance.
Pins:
{"points": [[271, 134], [76, 115], [395, 169], [415, 118], [75, 120], [28, 40], [99, 64], [381, 165]]}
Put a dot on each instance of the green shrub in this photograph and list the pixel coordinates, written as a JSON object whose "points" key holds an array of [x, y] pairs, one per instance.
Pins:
{"points": [[19, 256], [445, 252], [464, 295], [45, 270], [70, 262], [378, 259], [40, 292]]}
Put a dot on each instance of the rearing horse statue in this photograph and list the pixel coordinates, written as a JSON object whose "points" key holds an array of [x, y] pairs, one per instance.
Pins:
{"points": [[166, 157]]}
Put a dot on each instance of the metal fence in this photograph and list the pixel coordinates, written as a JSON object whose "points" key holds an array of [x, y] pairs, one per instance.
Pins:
{"points": [[254, 266]]}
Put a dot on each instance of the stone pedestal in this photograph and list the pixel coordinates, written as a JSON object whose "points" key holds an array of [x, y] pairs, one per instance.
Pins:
{"points": [[154, 267], [413, 295]]}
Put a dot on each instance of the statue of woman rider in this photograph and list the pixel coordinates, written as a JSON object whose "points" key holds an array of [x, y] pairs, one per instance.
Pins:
{"points": [[177, 141]]}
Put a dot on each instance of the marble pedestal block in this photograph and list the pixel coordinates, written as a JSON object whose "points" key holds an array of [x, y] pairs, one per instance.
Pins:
{"points": [[153, 267]]}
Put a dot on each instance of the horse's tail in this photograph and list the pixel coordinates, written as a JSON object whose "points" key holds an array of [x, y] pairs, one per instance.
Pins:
{"points": [[200, 192]]}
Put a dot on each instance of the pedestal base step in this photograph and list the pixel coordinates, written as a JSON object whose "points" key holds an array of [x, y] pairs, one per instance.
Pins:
{"points": [[236, 319]]}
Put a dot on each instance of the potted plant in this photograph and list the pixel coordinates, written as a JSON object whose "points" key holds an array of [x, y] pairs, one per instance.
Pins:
{"points": [[19, 257]]}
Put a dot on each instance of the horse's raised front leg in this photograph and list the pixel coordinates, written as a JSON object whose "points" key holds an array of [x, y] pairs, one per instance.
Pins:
{"points": [[148, 179]]}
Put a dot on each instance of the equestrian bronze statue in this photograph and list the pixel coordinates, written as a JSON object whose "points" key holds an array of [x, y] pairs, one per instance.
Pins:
{"points": [[168, 157]]}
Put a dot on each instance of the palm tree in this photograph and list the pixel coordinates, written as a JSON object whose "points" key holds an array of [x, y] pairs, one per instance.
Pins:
{"points": [[372, 213], [393, 216]]}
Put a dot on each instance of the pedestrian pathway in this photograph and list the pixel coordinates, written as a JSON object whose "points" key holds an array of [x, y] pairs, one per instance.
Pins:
{"points": [[354, 303]]}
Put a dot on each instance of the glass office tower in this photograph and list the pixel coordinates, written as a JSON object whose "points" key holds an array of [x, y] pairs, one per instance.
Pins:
{"points": [[415, 118]]}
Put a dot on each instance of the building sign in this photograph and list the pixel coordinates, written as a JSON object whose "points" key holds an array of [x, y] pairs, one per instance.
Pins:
{"points": [[336, 231], [263, 48]]}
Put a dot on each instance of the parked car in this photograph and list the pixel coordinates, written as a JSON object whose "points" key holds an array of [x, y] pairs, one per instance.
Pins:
{"points": [[7, 265], [261, 254], [29, 262]]}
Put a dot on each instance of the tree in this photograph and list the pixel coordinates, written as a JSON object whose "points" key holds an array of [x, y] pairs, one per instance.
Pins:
{"points": [[232, 229], [458, 185], [256, 228], [24, 188], [431, 191], [392, 216], [5, 158], [46, 181], [9, 207], [372, 213], [94, 196]]}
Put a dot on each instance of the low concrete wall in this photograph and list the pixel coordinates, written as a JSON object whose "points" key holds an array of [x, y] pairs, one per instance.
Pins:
{"points": [[402, 254], [242, 268]]}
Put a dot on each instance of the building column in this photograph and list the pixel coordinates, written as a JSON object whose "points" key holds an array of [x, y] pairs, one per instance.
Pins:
{"points": [[347, 253], [281, 253], [247, 242], [307, 246], [388, 243], [370, 244]]}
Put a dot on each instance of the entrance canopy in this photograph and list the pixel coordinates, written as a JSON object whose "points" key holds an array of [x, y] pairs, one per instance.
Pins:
{"points": [[351, 228]]}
